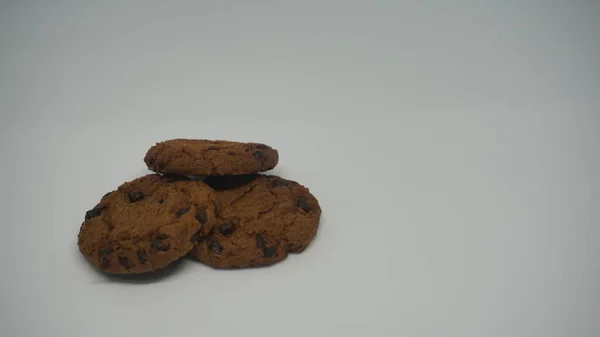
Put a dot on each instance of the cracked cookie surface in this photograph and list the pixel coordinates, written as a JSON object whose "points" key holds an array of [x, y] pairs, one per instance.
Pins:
{"points": [[210, 157], [259, 220], [146, 224]]}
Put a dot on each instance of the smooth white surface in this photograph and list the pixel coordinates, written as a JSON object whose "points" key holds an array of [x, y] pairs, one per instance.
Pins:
{"points": [[454, 149]]}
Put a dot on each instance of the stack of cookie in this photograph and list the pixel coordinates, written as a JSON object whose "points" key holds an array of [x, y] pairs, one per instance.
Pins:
{"points": [[206, 200]]}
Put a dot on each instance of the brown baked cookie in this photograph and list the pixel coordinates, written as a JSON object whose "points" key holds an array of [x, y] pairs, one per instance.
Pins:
{"points": [[210, 157], [260, 220], [146, 224]]}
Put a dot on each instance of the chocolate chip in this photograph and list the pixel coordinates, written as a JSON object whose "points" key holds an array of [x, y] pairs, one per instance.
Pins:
{"points": [[151, 161], [142, 256], [260, 240], [182, 211], [94, 212], [159, 245], [135, 196], [161, 201], [302, 203], [195, 238], [226, 229], [107, 194], [202, 217], [280, 183], [161, 236], [104, 262], [213, 149], [259, 154], [246, 150], [231, 153], [216, 247], [124, 262], [262, 146], [106, 251], [270, 251]]}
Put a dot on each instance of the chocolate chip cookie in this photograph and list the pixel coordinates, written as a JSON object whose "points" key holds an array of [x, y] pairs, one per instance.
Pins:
{"points": [[208, 157], [146, 224], [259, 220]]}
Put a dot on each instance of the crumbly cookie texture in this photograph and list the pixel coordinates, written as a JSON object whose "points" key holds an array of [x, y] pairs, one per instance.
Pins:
{"points": [[146, 224], [210, 157], [259, 220]]}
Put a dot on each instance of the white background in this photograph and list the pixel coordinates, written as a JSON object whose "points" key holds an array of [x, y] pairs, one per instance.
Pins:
{"points": [[454, 148]]}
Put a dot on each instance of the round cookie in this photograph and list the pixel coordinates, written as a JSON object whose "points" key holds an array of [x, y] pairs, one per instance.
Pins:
{"points": [[146, 224], [260, 220], [210, 157]]}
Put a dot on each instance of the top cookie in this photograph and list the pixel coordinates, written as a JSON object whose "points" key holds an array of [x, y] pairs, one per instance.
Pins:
{"points": [[146, 224], [210, 157]]}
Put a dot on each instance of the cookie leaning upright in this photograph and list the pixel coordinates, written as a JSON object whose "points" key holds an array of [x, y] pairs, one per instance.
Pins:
{"points": [[146, 224], [260, 220], [210, 157]]}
